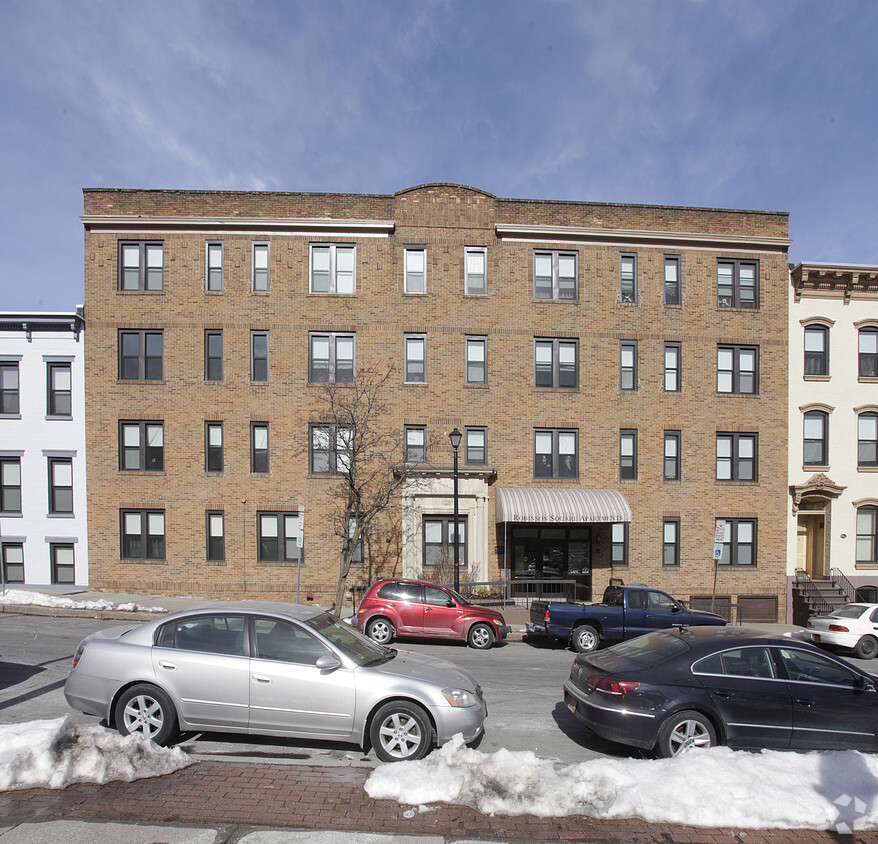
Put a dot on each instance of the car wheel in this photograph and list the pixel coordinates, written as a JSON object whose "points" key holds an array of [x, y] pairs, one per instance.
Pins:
{"points": [[683, 731], [867, 647], [480, 637], [400, 730], [585, 639], [380, 630], [147, 713]]}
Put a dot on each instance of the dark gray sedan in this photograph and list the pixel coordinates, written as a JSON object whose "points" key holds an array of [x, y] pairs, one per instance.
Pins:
{"points": [[272, 669]]}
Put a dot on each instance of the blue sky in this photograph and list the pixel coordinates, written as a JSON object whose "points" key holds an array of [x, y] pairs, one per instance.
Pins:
{"points": [[769, 104]]}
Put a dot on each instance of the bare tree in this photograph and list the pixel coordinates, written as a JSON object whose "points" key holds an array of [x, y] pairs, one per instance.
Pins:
{"points": [[370, 466]]}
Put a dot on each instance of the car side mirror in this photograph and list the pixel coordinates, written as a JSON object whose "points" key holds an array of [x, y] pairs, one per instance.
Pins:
{"points": [[328, 662], [862, 684], [675, 608], [450, 603]]}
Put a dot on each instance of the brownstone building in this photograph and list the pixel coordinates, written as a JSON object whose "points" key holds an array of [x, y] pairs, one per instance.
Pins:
{"points": [[618, 373]]}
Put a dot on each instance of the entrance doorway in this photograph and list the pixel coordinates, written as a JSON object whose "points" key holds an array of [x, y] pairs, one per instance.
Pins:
{"points": [[810, 544], [551, 553]]}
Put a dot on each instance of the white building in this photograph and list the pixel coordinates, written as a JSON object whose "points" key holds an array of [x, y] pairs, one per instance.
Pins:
{"points": [[833, 401], [43, 533]]}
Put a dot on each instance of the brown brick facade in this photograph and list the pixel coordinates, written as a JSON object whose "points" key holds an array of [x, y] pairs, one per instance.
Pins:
{"points": [[445, 219]]}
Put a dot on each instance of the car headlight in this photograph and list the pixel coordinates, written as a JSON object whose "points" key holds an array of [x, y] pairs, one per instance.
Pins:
{"points": [[459, 697]]}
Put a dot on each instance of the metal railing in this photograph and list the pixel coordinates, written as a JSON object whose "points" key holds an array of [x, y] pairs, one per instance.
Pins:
{"points": [[850, 591], [806, 587], [520, 592]]}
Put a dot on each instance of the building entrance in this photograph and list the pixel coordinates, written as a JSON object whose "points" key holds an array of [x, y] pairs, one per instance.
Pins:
{"points": [[556, 552]]}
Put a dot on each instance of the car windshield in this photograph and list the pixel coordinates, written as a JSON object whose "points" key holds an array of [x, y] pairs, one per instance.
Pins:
{"points": [[350, 642], [458, 597], [849, 611], [651, 649]]}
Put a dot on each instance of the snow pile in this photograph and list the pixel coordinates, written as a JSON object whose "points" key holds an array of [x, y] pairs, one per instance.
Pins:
{"points": [[56, 753], [717, 787], [20, 597]]}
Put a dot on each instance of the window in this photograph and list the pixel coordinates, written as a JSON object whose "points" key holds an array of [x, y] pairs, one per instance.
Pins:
{"points": [[673, 366], [415, 359], [213, 355], [555, 275], [13, 562], [63, 568], [140, 355], [628, 365], [867, 439], [556, 453], [628, 454], [9, 388], [260, 280], [259, 448], [10, 484], [357, 553], [141, 446], [476, 446], [331, 449], [213, 268], [278, 538], [556, 364], [737, 284], [143, 534], [332, 269], [816, 350], [332, 358], [816, 438], [739, 543], [415, 444], [476, 271], [216, 536], [259, 356], [59, 400], [141, 265], [737, 369], [868, 352], [671, 542], [476, 360], [736, 457], [415, 269], [212, 634], [671, 471], [619, 544], [673, 295], [439, 540], [213, 446], [628, 278], [867, 535]]}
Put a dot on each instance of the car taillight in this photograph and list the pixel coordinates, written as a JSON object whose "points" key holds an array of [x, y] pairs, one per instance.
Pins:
{"points": [[839, 628], [78, 655], [547, 616], [612, 687]]}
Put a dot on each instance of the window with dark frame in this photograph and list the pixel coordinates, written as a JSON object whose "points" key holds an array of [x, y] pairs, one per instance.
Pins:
{"points": [[619, 544], [141, 265], [13, 562], [737, 369], [867, 439], [671, 542], [737, 284], [216, 536], [628, 277], [10, 484], [259, 448], [628, 454], [357, 555], [556, 363], [260, 281], [556, 275], [143, 534], [736, 457], [476, 446], [415, 359], [439, 540], [332, 358], [816, 350], [213, 446], [141, 446], [415, 444], [415, 269], [213, 355], [278, 537], [739, 547], [259, 356], [867, 342], [628, 365], [556, 453], [10, 397], [214, 281], [333, 269], [815, 435], [673, 295], [331, 449], [476, 360], [671, 471], [63, 565], [141, 355], [867, 535], [673, 367], [59, 387], [475, 271]]}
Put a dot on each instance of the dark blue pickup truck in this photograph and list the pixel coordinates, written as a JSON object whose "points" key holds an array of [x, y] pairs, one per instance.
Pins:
{"points": [[625, 612]]}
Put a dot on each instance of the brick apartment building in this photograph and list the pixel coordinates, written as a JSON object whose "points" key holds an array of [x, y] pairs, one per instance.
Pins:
{"points": [[618, 373]]}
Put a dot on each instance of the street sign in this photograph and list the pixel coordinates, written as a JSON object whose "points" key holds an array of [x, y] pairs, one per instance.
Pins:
{"points": [[300, 533], [720, 536]]}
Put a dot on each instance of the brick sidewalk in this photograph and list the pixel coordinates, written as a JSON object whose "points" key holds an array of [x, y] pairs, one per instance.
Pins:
{"points": [[319, 798]]}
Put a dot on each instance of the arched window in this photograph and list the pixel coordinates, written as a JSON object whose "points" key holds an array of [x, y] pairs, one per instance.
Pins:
{"points": [[867, 439], [816, 438], [868, 346], [816, 350], [867, 534]]}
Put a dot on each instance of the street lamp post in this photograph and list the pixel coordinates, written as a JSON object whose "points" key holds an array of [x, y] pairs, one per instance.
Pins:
{"points": [[455, 437]]}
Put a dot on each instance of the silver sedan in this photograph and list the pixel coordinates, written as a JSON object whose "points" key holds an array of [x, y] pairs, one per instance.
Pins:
{"points": [[272, 669]]}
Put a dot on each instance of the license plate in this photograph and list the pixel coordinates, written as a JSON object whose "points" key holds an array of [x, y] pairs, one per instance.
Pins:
{"points": [[571, 704], [815, 637]]}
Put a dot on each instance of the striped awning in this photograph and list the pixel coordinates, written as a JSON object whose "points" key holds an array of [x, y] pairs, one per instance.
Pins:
{"points": [[523, 504]]}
